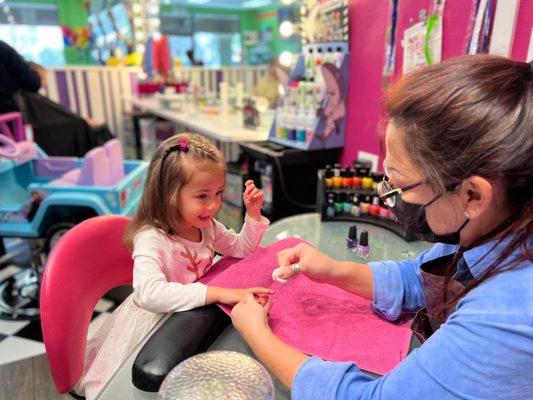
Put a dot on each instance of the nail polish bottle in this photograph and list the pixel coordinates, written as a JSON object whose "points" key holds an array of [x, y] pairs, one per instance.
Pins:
{"points": [[367, 183], [362, 245], [374, 208], [328, 177], [351, 242], [376, 178], [330, 208], [338, 203], [337, 179], [383, 210], [357, 179], [365, 205], [347, 178], [347, 204], [355, 211], [352, 177]]}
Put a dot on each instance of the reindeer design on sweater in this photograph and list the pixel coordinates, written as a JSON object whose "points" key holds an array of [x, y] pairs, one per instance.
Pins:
{"points": [[192, 256]]}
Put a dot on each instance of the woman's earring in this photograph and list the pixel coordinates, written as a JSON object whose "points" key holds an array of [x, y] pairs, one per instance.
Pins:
{"points": [[469, 214]]}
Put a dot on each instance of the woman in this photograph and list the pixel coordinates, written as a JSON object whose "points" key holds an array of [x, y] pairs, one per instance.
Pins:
{"points": [[459, 169]]}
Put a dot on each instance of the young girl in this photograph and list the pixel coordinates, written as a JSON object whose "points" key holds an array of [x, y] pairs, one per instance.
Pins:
{"points": [[174, 238]]}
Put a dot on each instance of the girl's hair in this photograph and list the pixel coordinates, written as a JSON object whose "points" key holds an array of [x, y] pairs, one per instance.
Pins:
{"points": [[473, 115], [170, 169]]}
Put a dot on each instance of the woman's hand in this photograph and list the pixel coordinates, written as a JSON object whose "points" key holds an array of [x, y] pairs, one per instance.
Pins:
{"points": [[312, 262], [253, 200], [251, 315], [233, 296]]}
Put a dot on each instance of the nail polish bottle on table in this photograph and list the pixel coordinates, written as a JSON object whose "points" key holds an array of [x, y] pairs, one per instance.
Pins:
{"points": [[351, 242], [362, 246]]}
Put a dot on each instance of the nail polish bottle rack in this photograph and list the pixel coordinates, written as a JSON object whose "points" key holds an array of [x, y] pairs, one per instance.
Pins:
{"points": [[302, 113], [379, 220]]}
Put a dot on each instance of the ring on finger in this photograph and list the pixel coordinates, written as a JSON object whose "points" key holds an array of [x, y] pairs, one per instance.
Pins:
{"points": [[296, 269]]}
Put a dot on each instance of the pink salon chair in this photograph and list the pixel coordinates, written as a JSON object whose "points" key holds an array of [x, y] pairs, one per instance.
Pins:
{"points": [[88, 261]]}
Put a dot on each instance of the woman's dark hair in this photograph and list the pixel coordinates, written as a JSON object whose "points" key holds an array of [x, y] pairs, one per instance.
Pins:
{"points": [[473, 115]]}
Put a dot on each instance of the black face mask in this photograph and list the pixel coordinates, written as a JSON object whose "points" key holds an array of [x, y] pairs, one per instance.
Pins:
{"points": [[413, 217]]}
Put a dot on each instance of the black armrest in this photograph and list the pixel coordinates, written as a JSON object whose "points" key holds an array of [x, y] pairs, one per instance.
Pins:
{"points": [[181, 336]]}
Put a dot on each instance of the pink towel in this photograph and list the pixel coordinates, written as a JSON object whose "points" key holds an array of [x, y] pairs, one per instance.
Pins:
{"points": [[318, 319]]}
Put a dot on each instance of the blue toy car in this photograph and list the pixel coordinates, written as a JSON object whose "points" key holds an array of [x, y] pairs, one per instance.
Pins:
{"points": [[42, 197]]}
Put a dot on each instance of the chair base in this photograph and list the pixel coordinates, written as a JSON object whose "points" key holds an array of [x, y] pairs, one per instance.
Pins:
{"points": [[19, 296]]}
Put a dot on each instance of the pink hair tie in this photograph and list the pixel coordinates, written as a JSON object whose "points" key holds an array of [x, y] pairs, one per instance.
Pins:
{"points": [[183, 145]]}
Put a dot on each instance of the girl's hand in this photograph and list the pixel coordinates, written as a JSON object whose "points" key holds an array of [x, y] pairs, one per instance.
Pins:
{"points": [[312, 262], [249, 316], [233, 296], [253, 200]]}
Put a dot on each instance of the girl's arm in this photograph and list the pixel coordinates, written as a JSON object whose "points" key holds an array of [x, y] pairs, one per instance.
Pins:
{"points": [[154, 293], [231, 244]]}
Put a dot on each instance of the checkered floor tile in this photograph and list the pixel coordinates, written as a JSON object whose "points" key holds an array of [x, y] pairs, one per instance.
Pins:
{"points": [[23, 339]]}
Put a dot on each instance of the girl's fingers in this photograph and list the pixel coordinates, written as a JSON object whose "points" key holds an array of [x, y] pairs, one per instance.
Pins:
{"points": [[260, 290], [268, 305]]}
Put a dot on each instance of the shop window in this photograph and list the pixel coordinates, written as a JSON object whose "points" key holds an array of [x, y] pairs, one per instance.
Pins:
{"points": [[23, 25], [215, 39]]}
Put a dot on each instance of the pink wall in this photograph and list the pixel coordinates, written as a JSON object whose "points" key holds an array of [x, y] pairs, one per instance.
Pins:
{"points": [[368, 22]]}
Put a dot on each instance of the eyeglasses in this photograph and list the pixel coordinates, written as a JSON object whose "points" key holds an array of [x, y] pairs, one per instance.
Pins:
{"points": [[388, 194]]}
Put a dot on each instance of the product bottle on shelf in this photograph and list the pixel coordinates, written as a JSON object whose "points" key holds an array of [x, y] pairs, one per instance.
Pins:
{"points": [[310, 125], [347, 179], [357, 179], [309, 64], [347, 204], [328, 177], [338, 56], [365, 205], [355, 211], [291, 124], [339, 203], [337, 180], [375, 208], [301, 124], [279, 124], [330, 208]]}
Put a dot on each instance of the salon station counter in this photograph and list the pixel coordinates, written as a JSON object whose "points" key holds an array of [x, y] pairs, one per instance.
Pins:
{"points": [[227, 130], [328, 237]]}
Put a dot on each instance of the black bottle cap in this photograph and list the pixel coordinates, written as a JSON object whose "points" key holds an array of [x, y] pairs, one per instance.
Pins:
{"points": [[376, 176], [337, 197], [355, 199], [363, 239], [348, 173], [364, 171], [343, 172], [342, 197], [353, 232]]}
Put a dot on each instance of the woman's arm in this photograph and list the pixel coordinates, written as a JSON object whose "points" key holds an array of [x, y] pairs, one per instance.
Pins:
{"points": [[477, 353], [353, 277], [281, 359]]}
